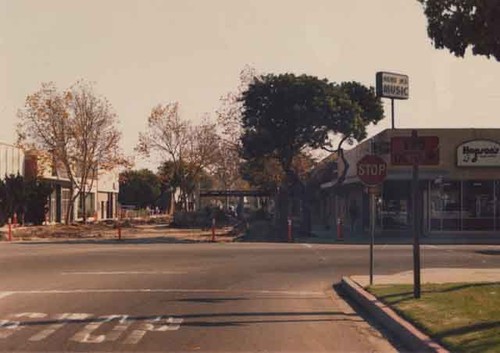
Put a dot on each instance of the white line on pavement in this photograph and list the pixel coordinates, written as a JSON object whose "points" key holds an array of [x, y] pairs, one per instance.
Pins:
{"points": [[307, 245], [66, 317], [4, 294], [121, 273], [166, 290]]}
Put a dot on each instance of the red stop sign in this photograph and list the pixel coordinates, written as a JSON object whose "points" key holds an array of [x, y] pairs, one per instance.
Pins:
{"points": [[371, 170]]}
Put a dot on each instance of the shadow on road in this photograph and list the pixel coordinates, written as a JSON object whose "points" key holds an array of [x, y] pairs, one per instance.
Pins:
{"points": [[220, 319]]}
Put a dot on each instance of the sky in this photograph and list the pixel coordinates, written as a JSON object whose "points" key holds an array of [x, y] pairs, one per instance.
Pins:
{"points": [[141, 53]]}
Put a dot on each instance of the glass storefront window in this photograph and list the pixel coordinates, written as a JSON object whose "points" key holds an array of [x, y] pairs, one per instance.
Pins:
{"points": [[445, 205], [89, 205], [478, 205], [394, 211]]}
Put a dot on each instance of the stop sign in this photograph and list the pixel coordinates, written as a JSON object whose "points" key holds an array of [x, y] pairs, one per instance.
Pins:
{"points": [[371, 170]]}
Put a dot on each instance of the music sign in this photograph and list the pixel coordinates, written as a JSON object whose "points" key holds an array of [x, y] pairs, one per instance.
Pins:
{"points": [[391, 85]]}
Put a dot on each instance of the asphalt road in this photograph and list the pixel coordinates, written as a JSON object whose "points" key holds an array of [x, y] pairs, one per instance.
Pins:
{"points": [[231, 297]]}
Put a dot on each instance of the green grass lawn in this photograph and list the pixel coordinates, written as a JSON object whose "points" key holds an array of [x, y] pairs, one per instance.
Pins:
{"points": [[464, 317]]}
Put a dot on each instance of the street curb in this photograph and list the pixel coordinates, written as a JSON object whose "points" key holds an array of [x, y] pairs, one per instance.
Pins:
{"points": [[409, 335]]}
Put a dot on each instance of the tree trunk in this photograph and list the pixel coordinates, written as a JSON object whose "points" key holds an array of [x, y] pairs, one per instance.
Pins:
{"points": [[172, 202], [282, 211], [84, 204], [306, 211], [71, 204]]}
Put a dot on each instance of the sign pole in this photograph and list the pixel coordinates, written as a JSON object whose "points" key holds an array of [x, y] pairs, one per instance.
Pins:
{"points": [[416, 219], [371, 171], [392, 112], [372, 233]]}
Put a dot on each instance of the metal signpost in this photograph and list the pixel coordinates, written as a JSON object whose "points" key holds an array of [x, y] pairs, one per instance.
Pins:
{"points": [[415, 151], [393, 86], [372, 170]]}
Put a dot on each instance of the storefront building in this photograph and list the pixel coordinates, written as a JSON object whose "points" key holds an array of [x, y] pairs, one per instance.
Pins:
{"points": [[461, 193], [101, 195]]}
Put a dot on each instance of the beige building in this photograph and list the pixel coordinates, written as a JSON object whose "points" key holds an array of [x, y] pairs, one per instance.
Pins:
{"points": [[101, 192], [11, 160], [460, 193]]}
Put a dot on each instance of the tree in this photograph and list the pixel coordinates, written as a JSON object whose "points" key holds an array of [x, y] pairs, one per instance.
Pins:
{"points": [[192, 149], [140, 188], [26, 198], [459, 24], [266, 173], [79, 130], [183, 177], [227, 169], [284, 115]]}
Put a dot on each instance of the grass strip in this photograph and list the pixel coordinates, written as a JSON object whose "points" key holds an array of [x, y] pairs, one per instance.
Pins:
{"points": [[464, 317]]}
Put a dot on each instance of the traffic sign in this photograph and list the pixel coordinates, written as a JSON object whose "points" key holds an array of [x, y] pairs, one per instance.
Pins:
{"points": [[371, 170], [422, 150]]}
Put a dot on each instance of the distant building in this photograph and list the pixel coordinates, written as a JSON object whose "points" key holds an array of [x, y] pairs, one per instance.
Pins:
{"points": [[102, 194], [11, 160]]}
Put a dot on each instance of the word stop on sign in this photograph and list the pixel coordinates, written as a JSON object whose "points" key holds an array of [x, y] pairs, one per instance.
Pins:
{"points": [[372, 169]]}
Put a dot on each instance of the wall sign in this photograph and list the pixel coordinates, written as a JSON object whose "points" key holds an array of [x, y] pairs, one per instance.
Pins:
{"points": [[478, 153]]}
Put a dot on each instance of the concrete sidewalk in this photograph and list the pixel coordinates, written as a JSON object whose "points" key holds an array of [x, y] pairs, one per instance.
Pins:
{"points": [[330, 237], [434, 275]]}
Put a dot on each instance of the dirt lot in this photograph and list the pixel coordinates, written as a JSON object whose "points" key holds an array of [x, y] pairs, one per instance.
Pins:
{"points": [[129, 231]]}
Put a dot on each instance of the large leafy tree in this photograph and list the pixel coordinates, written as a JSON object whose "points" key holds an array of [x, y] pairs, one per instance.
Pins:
{"points": [[459, 24], [140, 188], [266, 173], [285, 115]]}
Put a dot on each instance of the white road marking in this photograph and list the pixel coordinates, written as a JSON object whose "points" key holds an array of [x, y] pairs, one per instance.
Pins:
{"points": [[172, 324], [65, 318], [9, 327], [4, 294], [122, 273], [307, 245], [168, 290], [85, 335]]}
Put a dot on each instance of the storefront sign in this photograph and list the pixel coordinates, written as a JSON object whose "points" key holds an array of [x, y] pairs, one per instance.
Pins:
{"points": [[391, 85], [422, 150], [478, 153]]}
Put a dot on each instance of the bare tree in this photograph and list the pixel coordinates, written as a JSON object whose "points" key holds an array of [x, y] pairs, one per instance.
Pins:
{"points": [[231, 109], [78, 128], [227, 168], [191, 148]]}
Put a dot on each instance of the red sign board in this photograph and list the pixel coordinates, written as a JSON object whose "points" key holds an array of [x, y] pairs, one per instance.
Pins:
{"points": [[422, 150], [371, 170]]}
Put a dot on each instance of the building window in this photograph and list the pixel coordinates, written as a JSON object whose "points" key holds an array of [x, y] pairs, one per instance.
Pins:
{"points": [[394, 211], [445, 205], [478, 205], [89, 205]]}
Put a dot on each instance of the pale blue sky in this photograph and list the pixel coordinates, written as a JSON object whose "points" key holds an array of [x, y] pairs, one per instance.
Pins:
{"points": [[145, 52]]}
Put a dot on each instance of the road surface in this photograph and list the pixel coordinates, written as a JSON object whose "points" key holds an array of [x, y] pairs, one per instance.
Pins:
{"points": [[232, 297]]}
